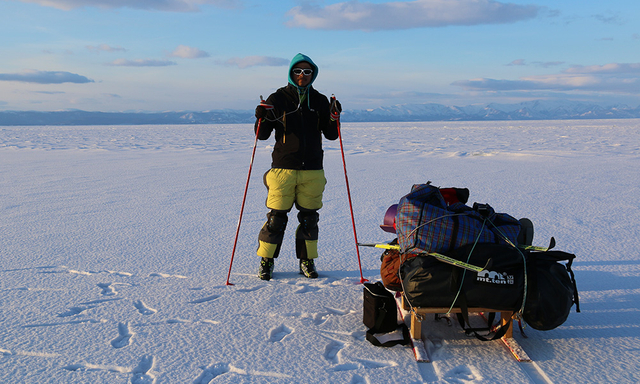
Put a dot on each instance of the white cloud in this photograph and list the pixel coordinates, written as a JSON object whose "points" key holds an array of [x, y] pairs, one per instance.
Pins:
{"points": [[355, 15], [563, 81], [559, 82], [485, 84], [612, 68], [517, 62], [105, 48], [141, 63], [45, 77], [255, 61], [544, 64], [548, 64], [156, 5], [186, 52], [612, 77]]}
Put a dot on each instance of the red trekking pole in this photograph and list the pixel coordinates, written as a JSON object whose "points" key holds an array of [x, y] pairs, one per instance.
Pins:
{"points": [[346, 178], [246, 188]]}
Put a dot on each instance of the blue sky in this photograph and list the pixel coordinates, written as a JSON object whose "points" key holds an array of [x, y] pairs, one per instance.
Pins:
{"points": [[196, 55]]}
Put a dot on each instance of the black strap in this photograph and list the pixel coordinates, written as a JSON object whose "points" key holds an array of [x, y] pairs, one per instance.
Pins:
{"points": [[576, 299], [380, 319], [406, 338], [463, 319], [468, 329]]}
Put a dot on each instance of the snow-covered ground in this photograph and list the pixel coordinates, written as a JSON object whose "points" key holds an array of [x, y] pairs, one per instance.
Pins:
{"points": [[115, 243]]}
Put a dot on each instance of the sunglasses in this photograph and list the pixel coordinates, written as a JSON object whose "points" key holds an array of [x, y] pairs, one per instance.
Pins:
{"points": [[300, 71]]}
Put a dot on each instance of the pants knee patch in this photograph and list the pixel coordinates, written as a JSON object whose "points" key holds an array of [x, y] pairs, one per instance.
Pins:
{"points": [[308, 219], [272, 233], [277, 221], [308, 228]]}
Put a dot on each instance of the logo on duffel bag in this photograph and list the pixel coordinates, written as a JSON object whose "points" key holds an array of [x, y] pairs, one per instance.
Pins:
{"points": [[493, 277]]}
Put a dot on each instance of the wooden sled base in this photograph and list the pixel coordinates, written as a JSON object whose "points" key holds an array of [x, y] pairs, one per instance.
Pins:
{"points": [[418, 314]]}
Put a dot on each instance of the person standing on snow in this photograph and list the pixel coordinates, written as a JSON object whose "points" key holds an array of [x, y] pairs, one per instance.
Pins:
{"points": [[300, 116]]}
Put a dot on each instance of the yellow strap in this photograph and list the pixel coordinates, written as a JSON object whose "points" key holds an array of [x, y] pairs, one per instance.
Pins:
{"points": [[284, 123]]}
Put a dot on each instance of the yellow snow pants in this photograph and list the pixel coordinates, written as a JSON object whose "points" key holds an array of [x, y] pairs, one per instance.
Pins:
{"points": [[287, 187]]}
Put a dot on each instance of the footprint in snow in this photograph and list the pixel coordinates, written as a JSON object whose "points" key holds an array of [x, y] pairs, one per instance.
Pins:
{"points": [[124, 338], [205, 299], [331, 351], [463, 374], [434, 342], [211, 372], [167, 276], [374, 364], [143, 308], [74, 311], [279, 333], [141, 373], [345, 367], [359, 380], [304, 288], [335, 311], [321, 317], [362, 363], [178, 321], [107, 289]]}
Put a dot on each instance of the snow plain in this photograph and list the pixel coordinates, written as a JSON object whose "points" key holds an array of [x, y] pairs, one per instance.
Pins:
{"points": [[116, 242]]}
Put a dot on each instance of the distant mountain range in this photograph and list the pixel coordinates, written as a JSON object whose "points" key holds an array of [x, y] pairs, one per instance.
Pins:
{"points": [[532, 110]]}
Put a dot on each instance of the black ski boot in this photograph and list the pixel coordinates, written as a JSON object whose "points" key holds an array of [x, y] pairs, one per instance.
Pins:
{"points": [[266, 268], [308, 268]]}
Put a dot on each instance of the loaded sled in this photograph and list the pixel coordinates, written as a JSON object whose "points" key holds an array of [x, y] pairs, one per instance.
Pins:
{"points": [[449, 258]]}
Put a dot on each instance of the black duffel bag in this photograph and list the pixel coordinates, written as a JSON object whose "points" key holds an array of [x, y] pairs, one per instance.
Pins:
{"points": [[551, 285], [552, 290], [428, 282]]}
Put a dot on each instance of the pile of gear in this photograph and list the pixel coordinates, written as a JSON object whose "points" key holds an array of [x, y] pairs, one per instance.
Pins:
{"points": [[448, 254]]}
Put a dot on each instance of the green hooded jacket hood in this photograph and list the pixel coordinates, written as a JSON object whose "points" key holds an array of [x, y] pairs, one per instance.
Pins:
{"points": [[297, 59]]}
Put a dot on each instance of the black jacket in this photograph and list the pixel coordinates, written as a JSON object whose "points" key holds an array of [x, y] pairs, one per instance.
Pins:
{"points": [[299, 127]]}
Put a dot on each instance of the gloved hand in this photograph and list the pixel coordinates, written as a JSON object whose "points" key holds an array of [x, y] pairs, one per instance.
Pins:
{"points": [[261, 112], [335, 109], [262, 109]]}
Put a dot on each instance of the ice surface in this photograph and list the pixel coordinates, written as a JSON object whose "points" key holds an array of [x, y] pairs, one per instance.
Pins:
{"points": [[116, 242]]}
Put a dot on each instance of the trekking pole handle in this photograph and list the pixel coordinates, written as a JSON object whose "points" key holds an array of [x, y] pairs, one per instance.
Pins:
{"points": [[333, 109], [263, 103]]}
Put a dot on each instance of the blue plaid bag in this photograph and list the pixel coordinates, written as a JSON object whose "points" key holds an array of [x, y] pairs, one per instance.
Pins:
{"points": [[426, 223]]}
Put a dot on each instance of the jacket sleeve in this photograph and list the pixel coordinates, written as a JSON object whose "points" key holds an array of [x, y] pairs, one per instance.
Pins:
{"points": [[266, 127], [329, 127], [268, 124]]}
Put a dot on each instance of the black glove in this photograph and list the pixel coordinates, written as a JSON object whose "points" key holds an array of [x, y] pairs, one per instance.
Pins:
{"points": [[335, 109], [262, 109]]}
